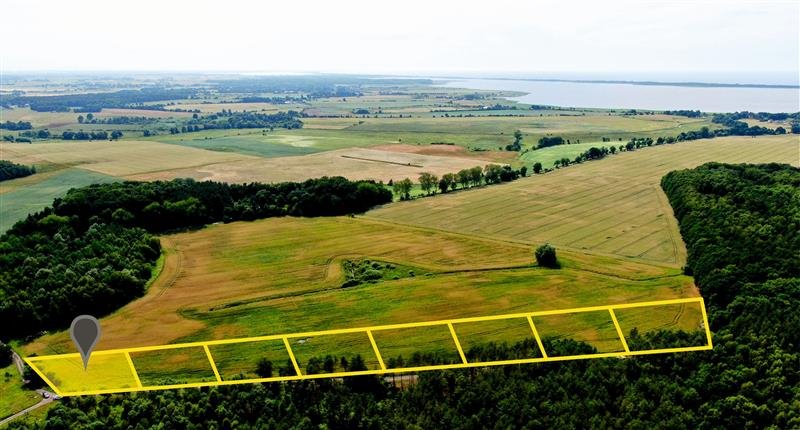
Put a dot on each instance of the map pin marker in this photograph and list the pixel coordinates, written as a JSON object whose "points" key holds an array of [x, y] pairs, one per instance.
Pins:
{"points": [[85, 332]]}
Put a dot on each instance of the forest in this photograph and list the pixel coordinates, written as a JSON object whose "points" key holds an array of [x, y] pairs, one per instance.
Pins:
{"points": [[229, 119], [728, 215], [92, 251], [95, 102]]}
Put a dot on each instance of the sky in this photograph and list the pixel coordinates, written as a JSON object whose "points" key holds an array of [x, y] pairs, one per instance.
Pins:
{"points": [[401, 37]]}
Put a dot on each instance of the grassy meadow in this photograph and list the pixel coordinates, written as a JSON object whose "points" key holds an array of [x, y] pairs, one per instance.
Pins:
{"points": [[14, 396]]}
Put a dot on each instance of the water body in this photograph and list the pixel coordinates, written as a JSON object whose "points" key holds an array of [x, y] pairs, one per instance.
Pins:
{"points": [[637, 96]]}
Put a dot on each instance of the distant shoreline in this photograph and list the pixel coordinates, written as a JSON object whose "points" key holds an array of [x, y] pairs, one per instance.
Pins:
{"points": [[626, 82]]}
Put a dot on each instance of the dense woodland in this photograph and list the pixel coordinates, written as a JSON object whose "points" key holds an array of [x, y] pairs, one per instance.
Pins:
{"points": [[740, 223], [92, 251], [95, 102], [14, 126], [229, 119], [11, 170]]}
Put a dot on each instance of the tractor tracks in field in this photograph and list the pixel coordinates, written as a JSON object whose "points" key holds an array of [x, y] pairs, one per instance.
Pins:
{"points": [[174, 272]]}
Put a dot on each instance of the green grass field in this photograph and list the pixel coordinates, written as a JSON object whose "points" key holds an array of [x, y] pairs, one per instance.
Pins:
{"points": [[547, 156], [476, 133], [14, 397], [20, 197], [613, 206]]}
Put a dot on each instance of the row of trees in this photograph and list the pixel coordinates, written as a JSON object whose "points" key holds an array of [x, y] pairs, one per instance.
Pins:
{"points": [[684, 112], [595, 153], [729, 215], [116, 120], [92, 252], [91, 135], [10, 170], [465, 178]]}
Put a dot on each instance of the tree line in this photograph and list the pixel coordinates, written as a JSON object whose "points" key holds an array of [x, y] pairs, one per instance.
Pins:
{"points": [[11, 170], [95, 102], [91, 135], [92, 251], [465, 178], [14, 126], [743, 253]]}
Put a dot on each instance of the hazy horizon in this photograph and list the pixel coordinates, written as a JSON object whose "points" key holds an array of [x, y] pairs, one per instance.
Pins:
{"points": [[619, 39]]}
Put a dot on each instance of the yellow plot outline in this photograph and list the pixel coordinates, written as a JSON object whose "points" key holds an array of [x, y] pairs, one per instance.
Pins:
{"points": [[383, 369]]}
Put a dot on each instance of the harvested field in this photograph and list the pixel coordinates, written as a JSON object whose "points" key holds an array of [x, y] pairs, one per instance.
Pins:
{"points": [[120, 158], [354, 163], [612, 206]]}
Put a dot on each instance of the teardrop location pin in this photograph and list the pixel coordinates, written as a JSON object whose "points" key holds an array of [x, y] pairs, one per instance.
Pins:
{"points": [[85, 332]]}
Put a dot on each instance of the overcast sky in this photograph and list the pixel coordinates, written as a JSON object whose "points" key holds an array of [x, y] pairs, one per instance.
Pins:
{"points": [[379, 36]]}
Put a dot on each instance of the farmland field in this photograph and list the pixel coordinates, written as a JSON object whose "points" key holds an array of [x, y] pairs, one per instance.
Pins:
{"points": [[22, 196], [613, 206], [484, 133], [119, 159], [284, 275], [353, 163]]}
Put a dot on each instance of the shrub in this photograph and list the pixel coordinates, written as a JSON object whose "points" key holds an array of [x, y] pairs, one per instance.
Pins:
{"points": [[546, 256]]}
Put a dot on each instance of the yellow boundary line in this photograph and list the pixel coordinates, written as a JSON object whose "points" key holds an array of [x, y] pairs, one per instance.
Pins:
{"points": [[619, 330], [377, 351], [383, 370], [458, 344], [212, 363], [291, 356], [133, 370], [536, 336]]}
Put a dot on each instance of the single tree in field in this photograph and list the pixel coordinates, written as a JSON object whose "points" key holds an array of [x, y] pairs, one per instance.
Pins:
{"points": [[403, 188], [89, 117], [80, 119], [428, 182], [264, 368], [523, 171], [546, 256], [537, 167], [517, 145]]}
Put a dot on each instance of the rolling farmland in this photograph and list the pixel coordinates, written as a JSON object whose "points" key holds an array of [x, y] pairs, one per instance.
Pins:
{"points": [[285, 275], [613, 206]]}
